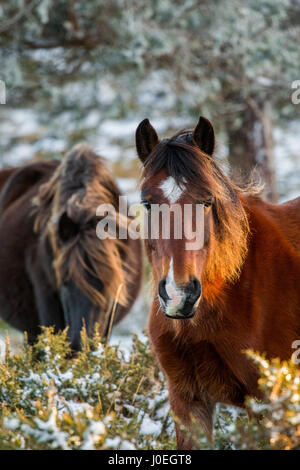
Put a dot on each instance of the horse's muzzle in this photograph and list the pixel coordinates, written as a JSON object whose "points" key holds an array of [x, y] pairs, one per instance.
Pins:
{"points": [[179, 302], [77, 313]]}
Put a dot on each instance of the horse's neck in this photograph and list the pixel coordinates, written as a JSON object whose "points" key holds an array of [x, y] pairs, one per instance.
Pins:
{"points": [[267, 289], [4, 175], [267, 268]]}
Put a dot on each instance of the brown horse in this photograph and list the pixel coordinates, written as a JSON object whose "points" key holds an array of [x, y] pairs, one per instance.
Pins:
{"points": [[239, 291], [54, 270]]}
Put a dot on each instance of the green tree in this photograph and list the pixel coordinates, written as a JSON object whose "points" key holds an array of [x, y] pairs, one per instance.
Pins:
{"points": [[235, 61]]}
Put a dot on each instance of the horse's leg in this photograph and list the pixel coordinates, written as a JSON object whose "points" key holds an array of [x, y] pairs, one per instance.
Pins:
{"points": [[47, 301], [185, 411]]}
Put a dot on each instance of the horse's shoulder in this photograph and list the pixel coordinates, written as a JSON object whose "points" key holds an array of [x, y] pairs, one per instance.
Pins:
{"points": [[21, 179]]}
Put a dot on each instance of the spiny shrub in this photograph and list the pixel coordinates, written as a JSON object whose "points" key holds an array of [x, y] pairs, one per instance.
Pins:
{"points": [[275, 422], [100, 399], [104, 398]]}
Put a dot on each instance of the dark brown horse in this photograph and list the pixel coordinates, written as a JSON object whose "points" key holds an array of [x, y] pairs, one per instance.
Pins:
{"points": [[239, 291], [54, 270]]}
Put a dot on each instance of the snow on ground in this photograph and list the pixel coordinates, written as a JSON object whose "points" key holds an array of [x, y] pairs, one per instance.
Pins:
{"points": [[130, 188], [21, 124], [15, 340], [135, 322]]}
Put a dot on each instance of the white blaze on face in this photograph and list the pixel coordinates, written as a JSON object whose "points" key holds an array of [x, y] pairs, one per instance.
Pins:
{"points": [[176, 295], [171, 190]]}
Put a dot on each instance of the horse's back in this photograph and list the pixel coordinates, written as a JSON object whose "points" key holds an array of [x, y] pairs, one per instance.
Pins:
{"points": [[292, 207], [5, 173], [15, 182], [285, 218]]}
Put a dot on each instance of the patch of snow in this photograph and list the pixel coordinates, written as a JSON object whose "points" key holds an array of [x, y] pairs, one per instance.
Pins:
{"points": [[113, 443], [11, 423], [126, 445], [91, 435], [149, 426]]}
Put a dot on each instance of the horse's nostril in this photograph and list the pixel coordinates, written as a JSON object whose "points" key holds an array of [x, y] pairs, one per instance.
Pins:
{"points": [[193, 290], [162, 290]]}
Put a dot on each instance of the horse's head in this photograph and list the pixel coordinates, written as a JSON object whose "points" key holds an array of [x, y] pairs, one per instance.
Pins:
{"points": [[86, 271], [181, 174]]}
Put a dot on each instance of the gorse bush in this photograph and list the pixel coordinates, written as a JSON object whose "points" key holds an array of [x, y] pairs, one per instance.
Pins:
{"points": [[103, 398], [275, 422], [99, 399], [278, 417]]}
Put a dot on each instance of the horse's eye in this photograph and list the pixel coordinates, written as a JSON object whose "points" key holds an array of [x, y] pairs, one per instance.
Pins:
{"points": [[67, 228], [147, 205]]}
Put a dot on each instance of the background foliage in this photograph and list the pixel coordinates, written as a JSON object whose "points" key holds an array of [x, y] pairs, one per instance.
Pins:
{"points": [[93, 70], [100, 399]]}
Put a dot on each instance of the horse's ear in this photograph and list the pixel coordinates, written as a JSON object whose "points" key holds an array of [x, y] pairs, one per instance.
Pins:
{"points": [[146, 139], [204, 136]]}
